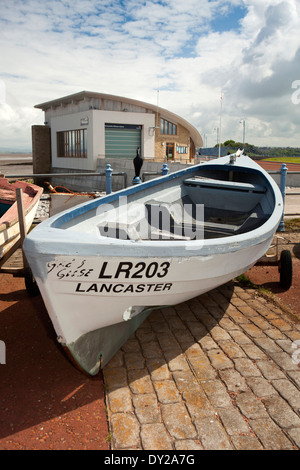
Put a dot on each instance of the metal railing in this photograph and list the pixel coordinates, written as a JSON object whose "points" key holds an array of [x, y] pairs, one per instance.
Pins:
{"points": [[109, 173]]}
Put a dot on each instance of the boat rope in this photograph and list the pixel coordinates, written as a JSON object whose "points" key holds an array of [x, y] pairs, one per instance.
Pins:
{"points": [[74, 193]]}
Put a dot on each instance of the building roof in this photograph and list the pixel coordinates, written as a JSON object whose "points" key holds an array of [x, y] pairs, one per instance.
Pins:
{"points": [[195, 135]]}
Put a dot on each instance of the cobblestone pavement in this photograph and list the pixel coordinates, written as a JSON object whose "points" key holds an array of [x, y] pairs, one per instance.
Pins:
{"points": [[218, 372]]}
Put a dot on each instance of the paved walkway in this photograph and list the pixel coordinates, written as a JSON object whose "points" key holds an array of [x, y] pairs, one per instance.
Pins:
{"points": [[218, 372]]}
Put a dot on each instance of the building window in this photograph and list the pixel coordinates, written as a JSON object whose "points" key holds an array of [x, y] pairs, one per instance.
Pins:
{"points": [[181, 150], [72, 144], [167, 127]]}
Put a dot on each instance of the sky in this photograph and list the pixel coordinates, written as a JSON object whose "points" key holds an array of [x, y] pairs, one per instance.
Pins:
{"points": [[216, 63]]}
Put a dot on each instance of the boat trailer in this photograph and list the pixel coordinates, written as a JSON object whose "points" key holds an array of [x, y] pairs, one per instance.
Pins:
{"points": [[283, 261]]}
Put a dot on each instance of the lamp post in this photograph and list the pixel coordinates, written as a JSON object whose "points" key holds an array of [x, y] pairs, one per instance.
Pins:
{"points": [[244, 131]]}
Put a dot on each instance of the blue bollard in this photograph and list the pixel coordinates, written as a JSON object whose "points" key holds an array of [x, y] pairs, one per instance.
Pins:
{"points": [[108, 173], [165, 169], [283, 172]]}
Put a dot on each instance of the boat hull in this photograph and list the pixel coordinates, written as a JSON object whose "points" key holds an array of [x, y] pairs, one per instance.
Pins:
{"points": [[96, 303], [9, 222], [99, 281]]}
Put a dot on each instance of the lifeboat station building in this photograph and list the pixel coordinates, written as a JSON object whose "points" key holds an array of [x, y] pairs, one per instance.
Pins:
{"points": [[87, 130]]}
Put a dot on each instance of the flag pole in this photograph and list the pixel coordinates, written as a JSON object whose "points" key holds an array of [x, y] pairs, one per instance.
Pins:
{"points": [[221, 102]]}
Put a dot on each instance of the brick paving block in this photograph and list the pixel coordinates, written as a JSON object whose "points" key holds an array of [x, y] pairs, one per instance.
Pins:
{"points": [[268, 345], [196, 401], [228, 324], [139, 381], [295, 436], [207, 320], [218, 359], [281, 324], [247, 442], [177, 421], [116, 361], [253, 331], [175, 323], [185, 381], [183, 337], [250, 406], [295, 376], [286, 345], [261, 323], [240, 337], [125, 431], [155, 437], [176, 361], [115, 377], [270, 370], [231, 349], [246, 367], [261, 387], [151, 349], [160, 327], [217, 312], [235, 383], [168, 341], [146, 408], [206, 342], [289, 392], [211, 433], [184, 312], [219, 334], [197, 329], [253, 352], [145, 335], [266, 312], [284, 361], [217, 393], [166, 391], [188, 444], [270, 435], [134, 360], [275, 334], [281, 412], [200, 363], [158, 369], [132, 345], [119, 400], [233, 421]]}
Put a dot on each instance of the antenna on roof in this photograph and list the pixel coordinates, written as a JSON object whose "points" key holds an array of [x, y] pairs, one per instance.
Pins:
{"points": [[157, 101]]}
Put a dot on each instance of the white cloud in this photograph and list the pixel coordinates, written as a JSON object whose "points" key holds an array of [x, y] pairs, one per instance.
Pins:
{"points": [[55, 48]]}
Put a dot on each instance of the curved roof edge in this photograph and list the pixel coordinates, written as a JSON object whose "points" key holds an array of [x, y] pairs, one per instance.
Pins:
{"points": [[195, 135]]}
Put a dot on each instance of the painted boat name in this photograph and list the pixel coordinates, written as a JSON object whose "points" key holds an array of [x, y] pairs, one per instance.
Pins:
{"points": [[125, 269], [122, 288]]}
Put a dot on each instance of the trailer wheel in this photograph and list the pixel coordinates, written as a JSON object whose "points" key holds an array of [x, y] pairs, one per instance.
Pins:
{"points": [[286, 269], [30, 283]]}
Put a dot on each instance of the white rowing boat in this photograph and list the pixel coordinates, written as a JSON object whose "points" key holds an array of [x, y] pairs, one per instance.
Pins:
{"points": [[104, 265]]}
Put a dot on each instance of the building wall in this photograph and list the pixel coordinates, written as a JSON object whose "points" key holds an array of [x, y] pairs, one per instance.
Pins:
{"points": [[41, 150], [96, 135], [182, 139]]}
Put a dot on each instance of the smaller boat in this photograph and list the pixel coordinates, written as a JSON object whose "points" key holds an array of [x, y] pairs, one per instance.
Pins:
{"points": [[9, 220]]}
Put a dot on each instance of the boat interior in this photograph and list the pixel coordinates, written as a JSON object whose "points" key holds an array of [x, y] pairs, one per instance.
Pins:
{"points": [[220, 204]]}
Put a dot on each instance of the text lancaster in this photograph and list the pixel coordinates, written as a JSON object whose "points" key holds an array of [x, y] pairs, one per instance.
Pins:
{"points": [[122, 288]]}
